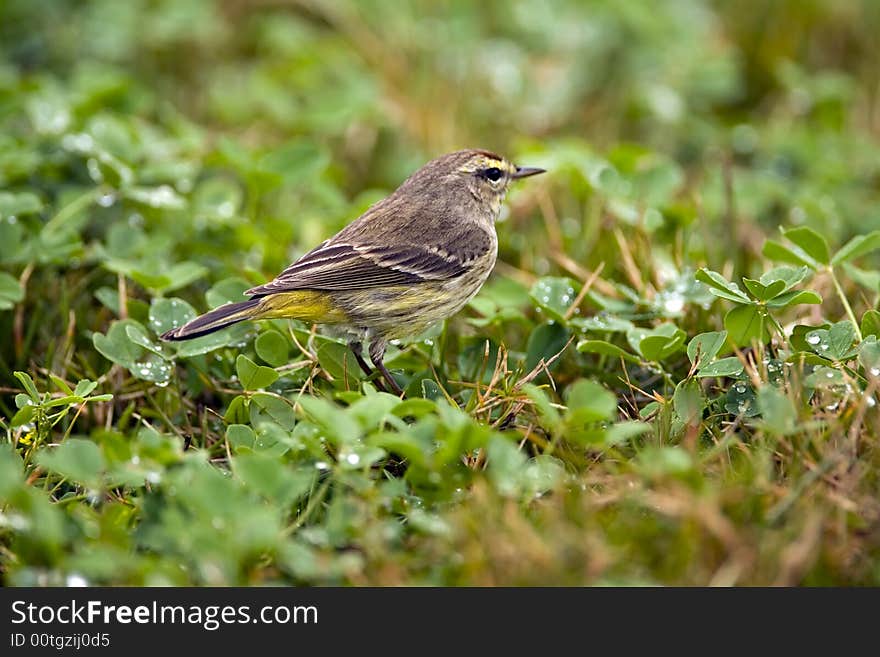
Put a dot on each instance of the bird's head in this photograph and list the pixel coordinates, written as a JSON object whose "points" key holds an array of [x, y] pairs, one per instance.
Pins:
{"points": [[479, 175]]}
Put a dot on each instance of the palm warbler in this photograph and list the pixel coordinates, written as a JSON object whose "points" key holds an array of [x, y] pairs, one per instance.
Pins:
{"points": [[412, 259]]}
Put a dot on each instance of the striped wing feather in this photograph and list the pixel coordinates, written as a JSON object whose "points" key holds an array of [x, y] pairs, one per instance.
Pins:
{"points": [[341, 266]]}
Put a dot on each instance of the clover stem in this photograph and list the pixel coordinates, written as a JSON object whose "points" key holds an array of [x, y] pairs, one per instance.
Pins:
{"points": [[845, 302], [667, 377], [777, 326]]}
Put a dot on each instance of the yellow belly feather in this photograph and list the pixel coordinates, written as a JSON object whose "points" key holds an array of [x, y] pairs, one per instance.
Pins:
{"points": [[307, 305]]}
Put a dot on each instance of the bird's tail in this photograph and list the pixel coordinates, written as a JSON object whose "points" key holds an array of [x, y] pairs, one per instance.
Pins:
{"points": [[214, 320]]}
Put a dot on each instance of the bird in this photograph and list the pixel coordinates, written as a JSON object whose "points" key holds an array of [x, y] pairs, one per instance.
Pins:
{"points": [[412, 259]]}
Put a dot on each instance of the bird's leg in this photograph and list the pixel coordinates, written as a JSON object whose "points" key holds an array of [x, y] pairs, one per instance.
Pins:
{"points": [[377, 353], [357, 350]]}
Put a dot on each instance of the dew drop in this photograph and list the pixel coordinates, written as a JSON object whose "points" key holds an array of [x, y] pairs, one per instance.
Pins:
{"points": [[17, 521], [78, 142], [226, 209], [75, 580], [94, 170], [106, 200], [673, 304]]}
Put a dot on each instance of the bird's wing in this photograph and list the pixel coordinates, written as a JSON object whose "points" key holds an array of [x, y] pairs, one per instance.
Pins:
{"points": [[343, 266]]}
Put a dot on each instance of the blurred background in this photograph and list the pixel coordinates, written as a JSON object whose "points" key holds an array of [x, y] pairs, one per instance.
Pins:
{"points": [[317, 103]]}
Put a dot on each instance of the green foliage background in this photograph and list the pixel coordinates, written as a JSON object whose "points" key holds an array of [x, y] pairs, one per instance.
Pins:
{"points": [[617, 406]]}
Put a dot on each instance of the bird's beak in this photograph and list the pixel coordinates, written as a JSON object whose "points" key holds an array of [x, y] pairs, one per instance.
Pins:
{"points": [[525, 172]]}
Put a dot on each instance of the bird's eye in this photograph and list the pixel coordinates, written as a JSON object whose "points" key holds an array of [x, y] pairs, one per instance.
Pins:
{"points": [[493, 173]]}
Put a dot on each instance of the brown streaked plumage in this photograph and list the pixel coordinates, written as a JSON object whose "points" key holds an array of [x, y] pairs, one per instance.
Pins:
{"points": [[412, 259]]}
